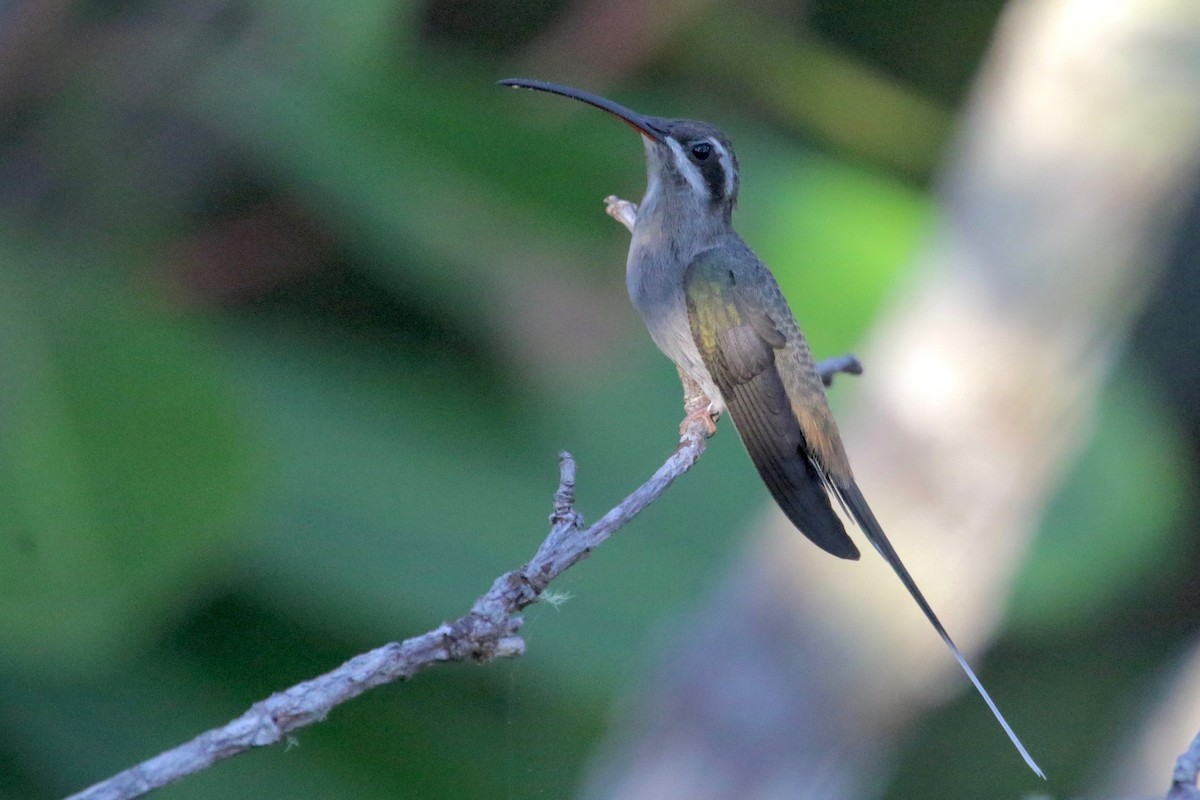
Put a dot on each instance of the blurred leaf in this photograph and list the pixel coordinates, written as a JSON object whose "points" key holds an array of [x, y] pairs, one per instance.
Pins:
{"points": [[1112, 523], [819, 88], [438, 179], [836, 236], [121, 466]]}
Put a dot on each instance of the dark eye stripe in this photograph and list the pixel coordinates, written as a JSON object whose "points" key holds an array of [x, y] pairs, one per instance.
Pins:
{"points": [[714, 178], [729, 165], [710, 168], [708, 176]]}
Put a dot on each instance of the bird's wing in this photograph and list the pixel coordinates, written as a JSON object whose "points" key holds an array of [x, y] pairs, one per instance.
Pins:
{"points": [[739, 343], [753, 349]]}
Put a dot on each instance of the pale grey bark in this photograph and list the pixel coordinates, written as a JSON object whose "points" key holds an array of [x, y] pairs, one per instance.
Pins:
{"points": [[1187, 767]]}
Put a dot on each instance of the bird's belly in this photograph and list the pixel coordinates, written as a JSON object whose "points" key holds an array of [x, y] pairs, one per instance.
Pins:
{"points": [[666, 318], [683, 351]]}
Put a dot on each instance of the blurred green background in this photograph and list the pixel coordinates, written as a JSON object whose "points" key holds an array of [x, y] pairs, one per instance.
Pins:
{"points": [[297, 309]]}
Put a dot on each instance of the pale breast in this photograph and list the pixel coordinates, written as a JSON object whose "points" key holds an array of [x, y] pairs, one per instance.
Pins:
{"points": [[656, 291]]}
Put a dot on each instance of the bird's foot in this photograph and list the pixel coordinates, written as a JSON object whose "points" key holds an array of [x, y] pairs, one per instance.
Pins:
{"points": [[622, 211], [706, 414], [697, 405]]}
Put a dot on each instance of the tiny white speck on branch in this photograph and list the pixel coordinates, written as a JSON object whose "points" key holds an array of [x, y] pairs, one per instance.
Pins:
{"points": [[488, 631]]}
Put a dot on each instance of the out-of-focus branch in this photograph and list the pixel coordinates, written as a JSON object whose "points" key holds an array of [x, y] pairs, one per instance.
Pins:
{"points": [[488, 631]]}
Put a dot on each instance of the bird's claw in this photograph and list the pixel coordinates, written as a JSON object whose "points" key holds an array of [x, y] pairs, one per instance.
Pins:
{"points": [[622, 211], [705, 414]]}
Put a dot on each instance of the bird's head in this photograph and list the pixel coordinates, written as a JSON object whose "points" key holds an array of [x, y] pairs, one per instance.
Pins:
{"points": [[690, 165]]}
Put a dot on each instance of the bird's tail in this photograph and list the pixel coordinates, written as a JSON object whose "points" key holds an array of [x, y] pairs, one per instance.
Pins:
{"points": [[856, 504]]}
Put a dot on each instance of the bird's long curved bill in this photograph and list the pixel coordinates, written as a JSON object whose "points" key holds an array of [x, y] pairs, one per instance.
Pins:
{"points": [[638, 122]]}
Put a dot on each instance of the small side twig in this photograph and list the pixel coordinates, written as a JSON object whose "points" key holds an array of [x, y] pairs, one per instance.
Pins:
{"points": [[1187, 768], [832, 366], [488, 631]]}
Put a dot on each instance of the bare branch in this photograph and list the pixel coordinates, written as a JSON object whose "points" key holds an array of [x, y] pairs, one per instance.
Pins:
{"points": [[487, 632], [1187, 767], [832, 366]]}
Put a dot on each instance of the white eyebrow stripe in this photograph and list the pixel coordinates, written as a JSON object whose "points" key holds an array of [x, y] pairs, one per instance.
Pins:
{"points": [[694, 178], [726, 166]]}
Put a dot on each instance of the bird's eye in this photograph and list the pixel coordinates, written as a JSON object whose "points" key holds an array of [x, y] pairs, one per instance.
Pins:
{"points": [[701, 151]]}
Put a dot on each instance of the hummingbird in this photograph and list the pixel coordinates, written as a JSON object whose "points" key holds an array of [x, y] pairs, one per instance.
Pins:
{"points": [[714, 308]]}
